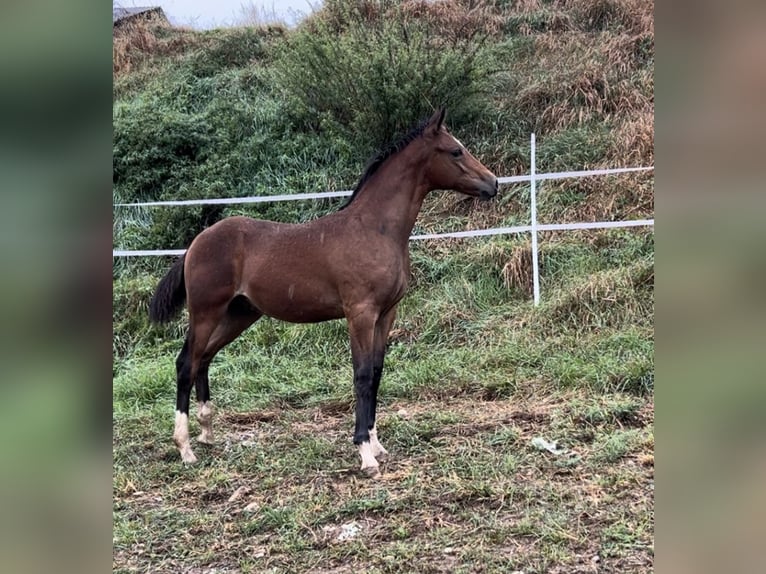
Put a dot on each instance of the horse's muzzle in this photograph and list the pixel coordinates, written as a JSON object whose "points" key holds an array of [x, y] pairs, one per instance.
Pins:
{"points": [[489, 189]]}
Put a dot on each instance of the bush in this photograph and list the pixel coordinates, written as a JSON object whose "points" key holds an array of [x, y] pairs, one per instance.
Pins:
{"points": [[153, 148], [361, 71]]}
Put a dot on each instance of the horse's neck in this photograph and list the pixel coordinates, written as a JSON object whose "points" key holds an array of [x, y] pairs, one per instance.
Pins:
{"points": [[393, 196]]}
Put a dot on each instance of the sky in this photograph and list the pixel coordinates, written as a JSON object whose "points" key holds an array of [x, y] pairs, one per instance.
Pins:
{"points": [[206, 14]]}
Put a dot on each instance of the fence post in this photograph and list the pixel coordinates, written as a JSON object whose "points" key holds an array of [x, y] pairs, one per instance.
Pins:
{"points": [[533, 198]]}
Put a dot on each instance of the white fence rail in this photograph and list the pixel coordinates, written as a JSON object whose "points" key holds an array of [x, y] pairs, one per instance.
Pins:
{"points": [[533, 228], [330, 194]]}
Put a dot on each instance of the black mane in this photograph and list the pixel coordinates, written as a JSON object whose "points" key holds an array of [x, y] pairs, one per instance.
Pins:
{"points": [[377, 161]]}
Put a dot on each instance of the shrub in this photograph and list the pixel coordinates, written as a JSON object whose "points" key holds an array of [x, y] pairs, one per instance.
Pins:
{"points": [[153, 146], [369, 77]]}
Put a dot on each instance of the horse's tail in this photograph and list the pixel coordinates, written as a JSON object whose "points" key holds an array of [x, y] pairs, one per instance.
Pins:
{"points": [[170, 296]]}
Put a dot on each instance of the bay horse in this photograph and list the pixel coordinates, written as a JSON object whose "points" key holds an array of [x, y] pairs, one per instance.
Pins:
{"points": [[351, 263]]}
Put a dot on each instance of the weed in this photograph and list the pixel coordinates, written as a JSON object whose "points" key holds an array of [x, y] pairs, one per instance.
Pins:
{"points": [[616, 445]]}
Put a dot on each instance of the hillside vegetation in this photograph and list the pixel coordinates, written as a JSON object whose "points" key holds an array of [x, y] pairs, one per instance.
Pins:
{"points": [[474, 371]]}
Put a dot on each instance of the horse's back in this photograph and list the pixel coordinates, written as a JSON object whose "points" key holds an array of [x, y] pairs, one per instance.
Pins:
{"points": [[232, 238]]}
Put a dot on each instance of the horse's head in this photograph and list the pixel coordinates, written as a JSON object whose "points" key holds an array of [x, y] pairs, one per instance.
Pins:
{"points": [[451, 165]]}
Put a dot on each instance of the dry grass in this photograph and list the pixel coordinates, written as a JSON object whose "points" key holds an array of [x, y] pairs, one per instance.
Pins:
{"points": [[455, 20], [633, 140], [603, 299], [131, 43], [574, 80], [591, 62], [633, 16], [463, 492], [612, 198], [582, 82], [517, 271], [140, 42], [450, 20]]}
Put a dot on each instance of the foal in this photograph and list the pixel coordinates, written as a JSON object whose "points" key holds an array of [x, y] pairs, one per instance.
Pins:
{"points": [[353, 263]]}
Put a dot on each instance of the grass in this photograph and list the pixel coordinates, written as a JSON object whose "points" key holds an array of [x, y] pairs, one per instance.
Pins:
{"points": [[464, 491]]}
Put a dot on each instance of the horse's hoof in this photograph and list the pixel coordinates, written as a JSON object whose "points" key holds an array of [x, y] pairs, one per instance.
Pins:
{"points": [[371, 472], [205, 438], [188, 457]]}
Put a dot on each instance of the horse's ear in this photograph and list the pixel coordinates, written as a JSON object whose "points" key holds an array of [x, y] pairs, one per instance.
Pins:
{"points": [[436, 121]]}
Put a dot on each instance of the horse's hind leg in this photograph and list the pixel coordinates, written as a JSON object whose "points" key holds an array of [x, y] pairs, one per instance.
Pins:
{"points": [[239, 316], [183, 390], [201, 327], [204, 405]]}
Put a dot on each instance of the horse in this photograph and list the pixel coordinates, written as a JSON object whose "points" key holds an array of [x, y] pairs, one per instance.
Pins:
{"points": [[352, 263]]}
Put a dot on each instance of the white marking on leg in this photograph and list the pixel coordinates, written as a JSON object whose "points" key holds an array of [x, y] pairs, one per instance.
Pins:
{"points": [[205, 419], [369, 464], [377, 448], [181, 437]]}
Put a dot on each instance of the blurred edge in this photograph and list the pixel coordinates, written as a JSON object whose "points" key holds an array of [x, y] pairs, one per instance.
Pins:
{"points": [[55, 175], [711, 265]]}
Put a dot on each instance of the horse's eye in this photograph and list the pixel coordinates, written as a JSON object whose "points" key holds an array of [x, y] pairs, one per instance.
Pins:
{"points": [[457, 153]]}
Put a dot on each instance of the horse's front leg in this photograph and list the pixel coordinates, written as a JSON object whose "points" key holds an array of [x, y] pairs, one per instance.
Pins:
{"points": [[382, 328], [361, 327]]}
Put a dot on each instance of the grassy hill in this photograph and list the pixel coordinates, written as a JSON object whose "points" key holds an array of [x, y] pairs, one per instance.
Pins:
{"points": [[474, 371]]}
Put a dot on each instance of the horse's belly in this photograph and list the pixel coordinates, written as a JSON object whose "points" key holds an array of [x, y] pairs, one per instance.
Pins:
{"points": [[298, 303]]}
